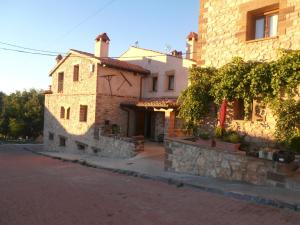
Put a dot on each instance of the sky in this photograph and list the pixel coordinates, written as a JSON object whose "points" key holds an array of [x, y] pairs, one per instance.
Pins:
{"points": [[60, 25]]}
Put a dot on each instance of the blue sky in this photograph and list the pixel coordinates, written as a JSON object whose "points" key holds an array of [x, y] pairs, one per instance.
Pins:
{"points": [[49, 25]]}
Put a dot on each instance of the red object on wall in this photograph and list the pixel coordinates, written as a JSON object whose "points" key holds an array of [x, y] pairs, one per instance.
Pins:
{"points": [[222, 114]]}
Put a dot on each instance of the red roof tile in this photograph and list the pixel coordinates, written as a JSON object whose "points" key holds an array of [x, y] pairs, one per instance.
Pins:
{"points": [[114, 63], [192, 35]]}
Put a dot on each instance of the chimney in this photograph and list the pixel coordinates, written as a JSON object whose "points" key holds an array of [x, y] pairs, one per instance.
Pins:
{"points": [[102, 45], [191, 46], [58, 58], [176, 54]]}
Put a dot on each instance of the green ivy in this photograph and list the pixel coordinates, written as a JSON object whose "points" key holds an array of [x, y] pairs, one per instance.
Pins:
{"points": [[247, 81]]}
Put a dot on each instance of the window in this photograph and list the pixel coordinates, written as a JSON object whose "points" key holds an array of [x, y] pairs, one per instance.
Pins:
{"points": [[263, 23], [154, 84], [51, 136], [76, 73], [81, 146], [68, 113], [62, 112], [60, 87], [62, 141], [171, 80], [238, 109], [83, 113]]}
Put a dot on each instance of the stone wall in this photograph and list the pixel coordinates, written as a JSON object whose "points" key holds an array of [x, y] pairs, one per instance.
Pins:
{"points": [[223, 31], [188, 157]]}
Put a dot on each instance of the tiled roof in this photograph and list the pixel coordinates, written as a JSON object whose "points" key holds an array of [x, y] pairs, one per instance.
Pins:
{"points": [[154, 103], [114, 63]]}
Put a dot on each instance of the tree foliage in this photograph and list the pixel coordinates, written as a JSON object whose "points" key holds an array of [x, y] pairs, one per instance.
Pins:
{"points": [[22, 114], [194, 101]]}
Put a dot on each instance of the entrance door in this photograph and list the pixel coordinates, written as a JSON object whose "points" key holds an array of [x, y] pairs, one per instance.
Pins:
{"points": [[140, 122]]}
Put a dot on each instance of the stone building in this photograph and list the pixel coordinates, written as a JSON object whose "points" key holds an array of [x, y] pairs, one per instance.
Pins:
{"points": [[253, 30], [135, 95]]}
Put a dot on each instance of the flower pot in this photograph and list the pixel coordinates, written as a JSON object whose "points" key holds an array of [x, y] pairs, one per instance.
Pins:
{"points": [[227, 146]]}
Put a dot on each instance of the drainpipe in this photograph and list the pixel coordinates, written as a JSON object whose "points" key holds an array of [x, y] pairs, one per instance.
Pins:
{"points": [[128, 114]]}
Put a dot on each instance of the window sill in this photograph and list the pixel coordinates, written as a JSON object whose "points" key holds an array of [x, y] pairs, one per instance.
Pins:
{"points": [[262, 39]]}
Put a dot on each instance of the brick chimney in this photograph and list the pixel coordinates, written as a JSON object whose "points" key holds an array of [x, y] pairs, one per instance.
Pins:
{"points": [[176, 54], [191, 46], [102, 45]]}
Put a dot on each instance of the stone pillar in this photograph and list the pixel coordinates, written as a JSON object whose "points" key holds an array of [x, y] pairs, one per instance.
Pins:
{"points": [[169, 123]]}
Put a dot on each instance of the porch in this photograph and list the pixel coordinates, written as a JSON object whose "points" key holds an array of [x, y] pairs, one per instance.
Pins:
{"points": [[154, 119]]}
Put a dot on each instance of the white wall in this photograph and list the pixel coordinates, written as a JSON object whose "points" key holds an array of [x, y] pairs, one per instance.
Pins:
{"points": [[159, 65]]}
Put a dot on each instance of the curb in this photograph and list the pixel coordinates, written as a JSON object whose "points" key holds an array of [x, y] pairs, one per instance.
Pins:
{"points": [[178, 183]]}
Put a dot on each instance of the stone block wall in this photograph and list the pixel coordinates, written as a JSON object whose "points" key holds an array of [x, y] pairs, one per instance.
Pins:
{"points": [[223, 31], [188, 157]]}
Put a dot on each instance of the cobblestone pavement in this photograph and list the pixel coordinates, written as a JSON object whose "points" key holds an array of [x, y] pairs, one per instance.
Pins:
{"points": [[35, 190]]}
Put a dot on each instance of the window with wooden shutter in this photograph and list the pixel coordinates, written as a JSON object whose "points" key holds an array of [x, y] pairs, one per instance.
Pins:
{"points": [[60, 86], [76, 73], [62, 112], [83, 113]]}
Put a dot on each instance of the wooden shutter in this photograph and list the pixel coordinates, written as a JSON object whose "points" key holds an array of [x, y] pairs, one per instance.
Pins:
{"points": [[62, 112]]}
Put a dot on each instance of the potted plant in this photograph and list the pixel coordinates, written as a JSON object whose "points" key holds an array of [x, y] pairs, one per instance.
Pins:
{"points": [[227, 140]]}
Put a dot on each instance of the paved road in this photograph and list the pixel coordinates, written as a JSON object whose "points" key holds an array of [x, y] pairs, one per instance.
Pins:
{"points": [[35, 190]]}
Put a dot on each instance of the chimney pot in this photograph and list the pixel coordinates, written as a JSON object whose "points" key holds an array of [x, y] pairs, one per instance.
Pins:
{"points": [[102, 45], [58, 58]]}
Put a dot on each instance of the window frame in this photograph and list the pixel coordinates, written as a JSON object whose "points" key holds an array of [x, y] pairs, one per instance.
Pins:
{"points": [[60, 82], [83, 113], [62, 112], [169, 88], [265, 13], [68, 113], [154, 84], [62, 141], [76, 70], [51, 136]]}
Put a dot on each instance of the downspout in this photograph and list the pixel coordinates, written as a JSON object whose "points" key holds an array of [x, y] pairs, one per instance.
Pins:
{"points": [[128, 114]]}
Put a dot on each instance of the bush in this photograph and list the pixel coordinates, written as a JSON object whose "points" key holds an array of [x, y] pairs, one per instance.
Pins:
{"points": [[232, 138], [219, 132], [204, 136], [295, 144]]}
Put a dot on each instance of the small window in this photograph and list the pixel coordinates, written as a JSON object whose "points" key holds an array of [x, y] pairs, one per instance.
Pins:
{"points": [[62, 141], [60, 87], [81, 146], [171, 81], [263, 23], [83, 113], [68, 113], [51, 136], [76, 73], [62, 112], [154, 84]]}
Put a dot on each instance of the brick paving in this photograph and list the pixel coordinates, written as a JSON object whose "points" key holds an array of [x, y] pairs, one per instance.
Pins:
{"points": [[36, 190]]}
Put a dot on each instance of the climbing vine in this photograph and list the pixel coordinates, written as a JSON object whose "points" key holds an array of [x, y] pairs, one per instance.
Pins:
{"points": [[276, 83]]}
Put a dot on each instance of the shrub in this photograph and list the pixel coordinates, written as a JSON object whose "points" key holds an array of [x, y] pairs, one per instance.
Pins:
{"points": [[219, 132], [232, 138], [295, 144], [204, 136]]}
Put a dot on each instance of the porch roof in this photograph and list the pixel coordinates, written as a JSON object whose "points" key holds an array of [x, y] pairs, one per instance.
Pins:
{"points": [[153, 103]]}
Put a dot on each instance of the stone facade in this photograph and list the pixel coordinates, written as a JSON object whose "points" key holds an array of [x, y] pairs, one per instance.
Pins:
{"points": [[224, 33], [188, 157], [101, 89]]}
